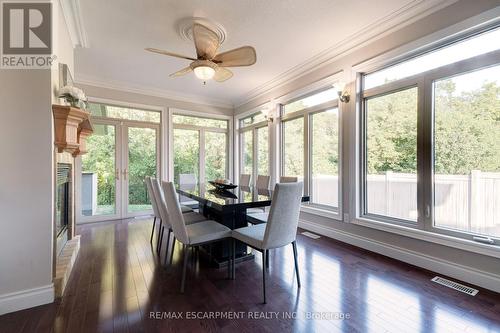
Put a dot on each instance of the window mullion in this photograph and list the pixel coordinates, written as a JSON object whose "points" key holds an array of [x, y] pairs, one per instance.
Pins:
{"points": [[307, 154], [424, 154]]}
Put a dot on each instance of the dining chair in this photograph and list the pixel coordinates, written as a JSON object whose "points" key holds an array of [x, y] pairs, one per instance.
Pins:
{"points": [[191, 216], [190, 235], [188, 181], [280, 230], [156, 213], [262, 182], [244, 179], [287, 179]]}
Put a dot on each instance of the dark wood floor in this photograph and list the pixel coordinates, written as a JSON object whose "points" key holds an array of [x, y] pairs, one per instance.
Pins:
{"points": [[118, 282]]}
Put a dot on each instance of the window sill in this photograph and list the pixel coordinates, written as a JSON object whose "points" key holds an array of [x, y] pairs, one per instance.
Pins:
{"points": [[331, 214], [458, 243]]}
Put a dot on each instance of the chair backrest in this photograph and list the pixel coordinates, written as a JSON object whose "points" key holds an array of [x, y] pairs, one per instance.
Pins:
{"points": [[187, 178], [244, 179], [263, 182], [175, 213], [160, 200], [283, 218], [152, 197], [286, 179]]}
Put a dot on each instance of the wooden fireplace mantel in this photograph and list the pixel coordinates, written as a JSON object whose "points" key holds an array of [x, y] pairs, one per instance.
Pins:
{"points": [[72, 127]]}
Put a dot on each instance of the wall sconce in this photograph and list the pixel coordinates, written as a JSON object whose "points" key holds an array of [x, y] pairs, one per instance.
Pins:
{"points": [[268, 113], [342, 92]]}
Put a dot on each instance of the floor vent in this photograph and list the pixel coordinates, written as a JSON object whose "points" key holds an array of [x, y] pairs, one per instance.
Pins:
{"points": [[310, 235], [454, 285]]}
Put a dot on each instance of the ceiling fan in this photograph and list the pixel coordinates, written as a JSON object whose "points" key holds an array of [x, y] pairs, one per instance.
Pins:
{"points": [[208, 64]]}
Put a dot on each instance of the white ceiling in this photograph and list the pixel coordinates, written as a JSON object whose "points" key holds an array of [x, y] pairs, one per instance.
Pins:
{"points": [[284, 33]]}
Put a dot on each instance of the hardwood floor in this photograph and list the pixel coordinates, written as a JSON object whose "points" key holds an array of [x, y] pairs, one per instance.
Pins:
{"points": [[119, 285]]}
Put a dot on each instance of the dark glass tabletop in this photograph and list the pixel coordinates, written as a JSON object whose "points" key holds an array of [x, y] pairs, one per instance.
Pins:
{"points": [[240, 197]]}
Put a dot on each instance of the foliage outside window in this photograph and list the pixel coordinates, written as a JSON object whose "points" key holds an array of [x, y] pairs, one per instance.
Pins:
{"points": [[121, 112]]}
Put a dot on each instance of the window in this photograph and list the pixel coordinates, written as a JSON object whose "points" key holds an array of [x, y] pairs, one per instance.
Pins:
{"points": [[200, 147], [254, 146], [310, 146], [121, 112], [312, 100], [293, 147], [325, 157], [435, 118], [391, 154], [467, 152]]}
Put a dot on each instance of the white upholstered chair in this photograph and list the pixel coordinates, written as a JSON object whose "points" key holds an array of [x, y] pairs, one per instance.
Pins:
{"points": [[287, 179], [191, 217], [280, 230], [244, 180], [156, 213], [262, 182], [189, 235]]}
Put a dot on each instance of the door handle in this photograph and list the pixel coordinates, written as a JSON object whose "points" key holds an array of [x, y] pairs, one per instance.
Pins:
{"points": [[117, 174], [125, 173]]}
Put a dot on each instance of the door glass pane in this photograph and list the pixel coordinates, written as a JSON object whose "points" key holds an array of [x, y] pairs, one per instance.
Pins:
{"points": [[215, 155], [98, 195], [262, 151], [141, 163], [247, 152], [186, 153], [467, 152], [391, 155], [324, 163], [293, 148]]}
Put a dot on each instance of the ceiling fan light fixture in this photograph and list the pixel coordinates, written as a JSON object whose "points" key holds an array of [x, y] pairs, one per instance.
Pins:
{"points": [[204, 72]]}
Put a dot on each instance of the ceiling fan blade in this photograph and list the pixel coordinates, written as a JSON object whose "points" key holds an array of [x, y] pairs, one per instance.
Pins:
{"points": [[169, 53], [182, 72], [206, 42], [222, 74], [242, 56]]}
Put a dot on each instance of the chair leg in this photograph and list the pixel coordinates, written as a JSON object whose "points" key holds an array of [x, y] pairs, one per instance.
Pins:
{"points": [[264, 274], [166, 249], [267, 260], [229, 260], [153, 230], [158, 237], [294, 245], [233, 259], [186, 251], [161, 239], [172, 252]]}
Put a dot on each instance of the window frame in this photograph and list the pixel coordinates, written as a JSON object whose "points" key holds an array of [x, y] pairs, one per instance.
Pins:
{"points": [[201, 140], [253, 128], [306, 114], [425, 143]]}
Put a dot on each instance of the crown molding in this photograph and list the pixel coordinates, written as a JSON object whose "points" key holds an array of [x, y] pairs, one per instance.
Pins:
{"points": [[150, 91], [398, 19], [74, 20]]}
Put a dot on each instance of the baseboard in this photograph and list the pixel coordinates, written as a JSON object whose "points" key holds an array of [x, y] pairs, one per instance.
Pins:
{"points": [[454, 270], [26, 299]]}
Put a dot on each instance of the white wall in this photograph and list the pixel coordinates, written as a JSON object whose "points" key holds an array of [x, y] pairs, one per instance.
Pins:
{"points": [[475, 268], [26, 179]]}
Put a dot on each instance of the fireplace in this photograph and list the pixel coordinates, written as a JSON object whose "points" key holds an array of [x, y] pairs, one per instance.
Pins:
{"points": [[63, 214]]}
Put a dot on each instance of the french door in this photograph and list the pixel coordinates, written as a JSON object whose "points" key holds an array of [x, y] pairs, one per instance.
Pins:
{"points": [[120, 154]]}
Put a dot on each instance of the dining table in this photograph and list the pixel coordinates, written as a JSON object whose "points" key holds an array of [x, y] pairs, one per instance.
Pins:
{"points": [[228, 207]]}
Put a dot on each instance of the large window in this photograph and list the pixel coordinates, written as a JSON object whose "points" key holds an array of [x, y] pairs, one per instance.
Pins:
{"points": [[310, 146], [254, 146], [431, 140], [200, 147]]}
